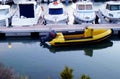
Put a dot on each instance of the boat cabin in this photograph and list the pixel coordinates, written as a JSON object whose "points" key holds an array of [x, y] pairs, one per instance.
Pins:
{"points": [[28, 13], [84, 12], [113, 6], [27, 10], [111, 11], [56, 14], [84, 6]]}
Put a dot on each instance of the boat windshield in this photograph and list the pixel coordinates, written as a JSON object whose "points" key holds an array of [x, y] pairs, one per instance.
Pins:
{"points": [[26, 10], [4, 11], [84, 7], [55, 11], [113, 7]]}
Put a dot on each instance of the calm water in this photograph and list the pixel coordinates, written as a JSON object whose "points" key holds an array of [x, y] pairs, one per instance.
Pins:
{"points": [[28, 58]]}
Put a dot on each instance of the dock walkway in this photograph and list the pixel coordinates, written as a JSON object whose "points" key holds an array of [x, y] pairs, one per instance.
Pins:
{"points": [[27, 30]]}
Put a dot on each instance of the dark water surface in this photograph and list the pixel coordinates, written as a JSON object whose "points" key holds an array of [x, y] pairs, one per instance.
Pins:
{"points": [[28, 58]]}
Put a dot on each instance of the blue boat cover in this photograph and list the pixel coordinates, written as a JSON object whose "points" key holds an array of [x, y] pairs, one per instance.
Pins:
{"points": [[26, 10]]}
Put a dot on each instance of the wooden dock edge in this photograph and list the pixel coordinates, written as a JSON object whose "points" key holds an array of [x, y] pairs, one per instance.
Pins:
{"points": [[36, 30]]}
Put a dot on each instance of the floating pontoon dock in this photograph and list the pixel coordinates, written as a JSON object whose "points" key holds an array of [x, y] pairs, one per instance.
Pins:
{"points": [[37, 29]]}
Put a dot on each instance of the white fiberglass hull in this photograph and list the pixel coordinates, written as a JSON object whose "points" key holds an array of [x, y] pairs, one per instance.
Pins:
{"points": [[84, 17], [18, 1], [16, 21], [24, 21], [4, 15], [115, 16], [56, 19], [80, 20]]}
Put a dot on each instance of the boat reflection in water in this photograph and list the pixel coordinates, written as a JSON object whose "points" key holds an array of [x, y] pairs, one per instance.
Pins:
{"points": [[88, 49], [23, 40]]}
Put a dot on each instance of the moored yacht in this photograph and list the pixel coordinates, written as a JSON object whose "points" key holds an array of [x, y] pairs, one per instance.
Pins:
{"points": [[6, 1], [18, 1], [56, 14], [28, 13], [4, 15], [84, 13], [111, 11]]}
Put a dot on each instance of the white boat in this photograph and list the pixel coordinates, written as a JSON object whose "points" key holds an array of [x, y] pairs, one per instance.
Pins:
{"points": [[4, 15], [28, 13], [111, 11], [66, 1], [48, 0], [18, 1], [5, 1], [56, 14], [84, 12]]}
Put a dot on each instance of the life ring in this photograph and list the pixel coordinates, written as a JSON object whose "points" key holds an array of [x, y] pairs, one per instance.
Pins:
{"points": [[55, 3]]}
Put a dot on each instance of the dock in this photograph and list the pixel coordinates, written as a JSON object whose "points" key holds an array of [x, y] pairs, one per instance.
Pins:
{"points": [[36, 30]]}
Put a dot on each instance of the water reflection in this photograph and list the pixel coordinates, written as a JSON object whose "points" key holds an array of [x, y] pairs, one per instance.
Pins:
{"points": [[24, 40], [19, 39], [9, 45], [88, 49]]}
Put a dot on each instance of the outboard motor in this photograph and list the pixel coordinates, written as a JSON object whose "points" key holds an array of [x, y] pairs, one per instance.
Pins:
{"points": [[49, 36], [52, 34]]}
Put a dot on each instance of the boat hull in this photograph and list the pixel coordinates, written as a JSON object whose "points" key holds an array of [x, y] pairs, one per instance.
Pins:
{"points": [[52, 21], [111, 19], [80, 21], [84, 42], [96, 46], [4, 15]]}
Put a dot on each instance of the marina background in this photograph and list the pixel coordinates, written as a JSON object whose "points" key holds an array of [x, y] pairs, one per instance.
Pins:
{"points": [[27, 57]]}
